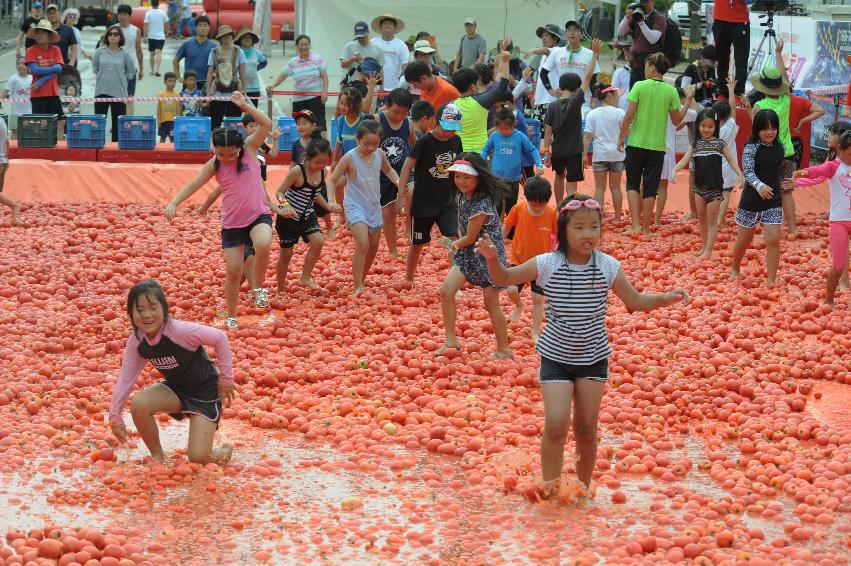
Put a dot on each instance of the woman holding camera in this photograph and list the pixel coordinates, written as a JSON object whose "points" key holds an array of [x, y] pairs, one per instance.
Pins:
{"points": [[647, 27]]}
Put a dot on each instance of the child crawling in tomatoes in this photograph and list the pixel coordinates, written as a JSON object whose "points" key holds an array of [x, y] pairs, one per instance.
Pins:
{"points": [[192, 385]]}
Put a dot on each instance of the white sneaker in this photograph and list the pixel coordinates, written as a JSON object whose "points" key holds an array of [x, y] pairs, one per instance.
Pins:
{"points": [[231, 323], [261, 300]]}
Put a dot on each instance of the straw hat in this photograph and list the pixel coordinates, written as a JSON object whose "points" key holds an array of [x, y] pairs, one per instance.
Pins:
{"points": [[223, 31], [243, 31], [46, 26], [376, 23], [770, 81]]}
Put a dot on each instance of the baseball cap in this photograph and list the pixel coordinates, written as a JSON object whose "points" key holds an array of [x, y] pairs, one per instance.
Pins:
{"points": [[38, 5], [423, 46], [361, 30], [470, 21], [52, 7], [572, 23], [449, 117], [304, 114]]}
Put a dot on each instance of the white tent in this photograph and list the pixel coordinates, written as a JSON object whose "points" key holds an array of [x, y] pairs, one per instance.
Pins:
{"points": [[329, 23]]}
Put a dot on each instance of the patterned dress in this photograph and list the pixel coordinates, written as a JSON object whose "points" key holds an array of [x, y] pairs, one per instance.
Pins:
{"points": [[472, 265]]}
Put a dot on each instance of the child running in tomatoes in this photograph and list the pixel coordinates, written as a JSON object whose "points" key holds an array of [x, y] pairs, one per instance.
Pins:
{"points": [[192, 387]]}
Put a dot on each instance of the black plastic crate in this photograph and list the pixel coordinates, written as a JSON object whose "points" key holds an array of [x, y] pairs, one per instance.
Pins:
{"points": [[37, 130]]}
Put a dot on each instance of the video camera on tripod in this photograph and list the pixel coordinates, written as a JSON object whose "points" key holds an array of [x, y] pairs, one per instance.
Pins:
{"points": [[769, 7]]}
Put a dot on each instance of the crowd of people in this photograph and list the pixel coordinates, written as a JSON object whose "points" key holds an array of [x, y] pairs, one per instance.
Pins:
{"points": [[448, 146]]}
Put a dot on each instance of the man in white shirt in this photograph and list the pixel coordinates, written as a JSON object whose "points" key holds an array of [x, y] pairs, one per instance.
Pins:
{"points": [[155, 23], [395, 51], [133, 47], [572, 58], [355, 52]]}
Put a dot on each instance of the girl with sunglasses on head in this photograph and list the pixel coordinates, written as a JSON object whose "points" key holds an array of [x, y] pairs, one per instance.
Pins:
{"points": [[574, 346]]}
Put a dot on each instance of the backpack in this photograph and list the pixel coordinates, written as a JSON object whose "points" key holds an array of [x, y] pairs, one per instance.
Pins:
{"points": [[672, 41]]}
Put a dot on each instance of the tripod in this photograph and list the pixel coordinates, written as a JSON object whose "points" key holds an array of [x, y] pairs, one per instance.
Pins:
{"points": [[769, 35]]}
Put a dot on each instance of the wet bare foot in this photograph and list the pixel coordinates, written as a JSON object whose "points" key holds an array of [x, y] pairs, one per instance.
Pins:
{"points": [[503, 354], [647, 234], [158, 458], [358, 289], [331, 234], [772, 282], [449, 345], [843, 286], [632, 230], [222, 455], [515, 316], [394, 256], [829, 303], [734, 273], [688, 217], [707, 254], [308, 283], [16, 209], [281, 293]]}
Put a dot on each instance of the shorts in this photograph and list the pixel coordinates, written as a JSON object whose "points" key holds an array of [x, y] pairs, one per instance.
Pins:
{"points": [[668, 165], [47, 105], [206, 402], [155, 45], [787, 170], [166, 130], [748, 219], [389, 193], [557, 372], [131, 85], [570, 166], [290, 230], [727, 190], [838, 234], [709, 195], [447, 222], [318, 210], [233, 237], [607, 167], [533, 284], [643, 165]]}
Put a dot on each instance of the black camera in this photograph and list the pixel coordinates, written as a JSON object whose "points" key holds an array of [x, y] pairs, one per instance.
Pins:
{"points": [[637, 12]]}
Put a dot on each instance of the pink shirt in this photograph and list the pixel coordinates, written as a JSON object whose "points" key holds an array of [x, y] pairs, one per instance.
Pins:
{"points": [[243, 194], [187, 335], [838, 177]]}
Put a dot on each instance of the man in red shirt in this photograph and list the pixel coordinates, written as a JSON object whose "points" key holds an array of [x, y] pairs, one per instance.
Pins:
{"points": [[45, 63], [731, 27]]}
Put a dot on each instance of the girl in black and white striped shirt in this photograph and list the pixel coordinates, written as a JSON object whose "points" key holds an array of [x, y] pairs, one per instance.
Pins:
{"points": [[304, 185], [574, 346]]}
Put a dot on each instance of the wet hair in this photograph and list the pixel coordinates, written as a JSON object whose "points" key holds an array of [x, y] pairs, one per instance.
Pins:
{"points": [[505, 116], [248, 119], [124, 9], [400, 97], [302, 36], [190, 73], [169, 75], [537, 189], [464, 79], [837, 129], [229, 137], [597, 91], [488, 183], [202, 20], [706, 114], [564, 220], [116, 27], [368, 126], [569, 82], [153, 291], [416, 70], [761, 121], [421, 109], [659, 62], [722, 109], [845, 141], [485, 71], [315, 147], [354, 98]]}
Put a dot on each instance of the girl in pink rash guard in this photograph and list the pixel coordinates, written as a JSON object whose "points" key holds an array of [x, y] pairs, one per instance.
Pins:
{"points": [[192, 385]]}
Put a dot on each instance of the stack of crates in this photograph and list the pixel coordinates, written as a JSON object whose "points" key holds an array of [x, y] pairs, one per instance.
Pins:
{"points": [[37, 130], [86, 130], [137, 132], [234, 122], [288, 133], [192, 133]]}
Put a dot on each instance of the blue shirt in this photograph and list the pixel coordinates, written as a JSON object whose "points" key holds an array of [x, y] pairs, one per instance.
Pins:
{"points": [[254, 61], [196, 55], [508, 153], [346, 133], [190, 108]]}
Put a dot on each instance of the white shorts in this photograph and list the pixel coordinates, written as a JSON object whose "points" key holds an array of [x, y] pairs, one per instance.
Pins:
{"points": [[668, 166]]}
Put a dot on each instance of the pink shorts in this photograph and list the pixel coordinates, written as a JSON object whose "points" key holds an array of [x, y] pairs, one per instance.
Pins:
{"points": [[838, 233]]}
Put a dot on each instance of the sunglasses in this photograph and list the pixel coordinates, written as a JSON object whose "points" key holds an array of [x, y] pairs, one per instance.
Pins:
{"points": [[114, 34], [576, 204]]}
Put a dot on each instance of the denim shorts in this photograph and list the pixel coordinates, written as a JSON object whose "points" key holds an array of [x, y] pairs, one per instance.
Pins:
{"points": [[557, 372], [233, 237]]}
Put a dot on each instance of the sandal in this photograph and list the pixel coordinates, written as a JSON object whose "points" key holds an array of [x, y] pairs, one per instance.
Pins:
{"points": [[231, 323], [261, 300]]}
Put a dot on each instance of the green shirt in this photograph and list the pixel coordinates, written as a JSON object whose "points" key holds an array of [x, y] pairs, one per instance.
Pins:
{"points": [[655, 100], [781, 106], [474, 122]]}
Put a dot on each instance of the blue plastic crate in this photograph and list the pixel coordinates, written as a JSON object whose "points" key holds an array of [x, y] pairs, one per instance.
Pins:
{"points": [[137, 132], [234, 122], [288, 133], [86, 130], [192, 133]]}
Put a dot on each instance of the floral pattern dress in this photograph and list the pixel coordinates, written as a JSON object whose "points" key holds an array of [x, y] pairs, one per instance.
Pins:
{"points": [[472, 265]]}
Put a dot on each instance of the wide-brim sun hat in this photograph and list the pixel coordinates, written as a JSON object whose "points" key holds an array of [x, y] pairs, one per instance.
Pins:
{"points": [[770, 82], [551, 29], [223, 31], [44, 25], [376, 23], [243, 31]]}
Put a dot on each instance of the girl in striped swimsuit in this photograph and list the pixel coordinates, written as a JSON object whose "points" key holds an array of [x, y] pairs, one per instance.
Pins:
{"points": [[574, 346]]}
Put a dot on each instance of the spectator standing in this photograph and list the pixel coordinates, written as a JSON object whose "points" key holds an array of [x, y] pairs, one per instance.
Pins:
{"points": [[254, 61], [155, 25], [29, 22], [703, 74], [395, 51], [647, 33], [620, 76], [551, 36], [67, 43], [44, 61], [310, 74], [357, 51], [473, 47], [731, 28], [173, 13], [572, 58], [133, 47], [113, 68], [70, 17], [185, 19], [19, 85], [226, 74], [195, 52]]}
